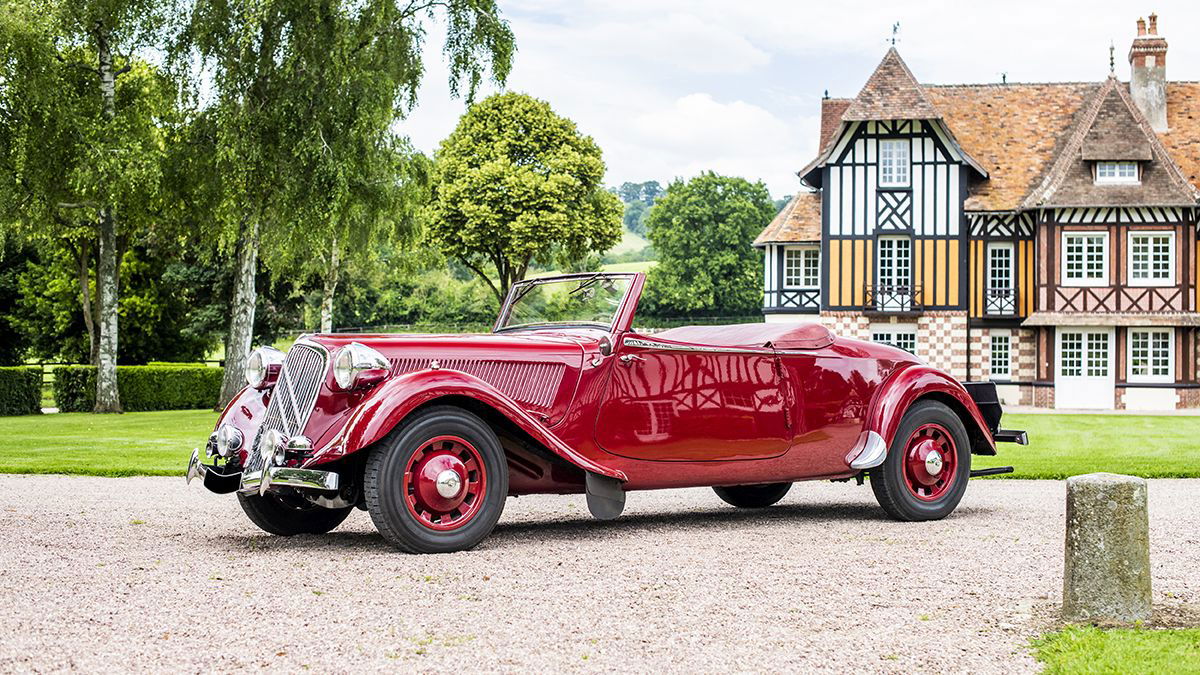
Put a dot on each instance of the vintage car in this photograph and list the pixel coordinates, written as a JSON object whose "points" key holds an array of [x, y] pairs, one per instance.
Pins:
{"points": [[431, 433]]}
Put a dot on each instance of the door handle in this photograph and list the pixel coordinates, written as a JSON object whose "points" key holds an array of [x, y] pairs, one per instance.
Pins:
{"points": [[628, 359]]}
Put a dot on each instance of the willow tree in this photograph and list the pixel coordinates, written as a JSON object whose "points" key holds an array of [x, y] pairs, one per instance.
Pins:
{"points": [[517, 183], [80, 141], [276, 65]]}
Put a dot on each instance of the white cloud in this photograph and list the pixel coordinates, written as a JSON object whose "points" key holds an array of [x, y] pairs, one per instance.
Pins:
{"points": [[672, 87]]}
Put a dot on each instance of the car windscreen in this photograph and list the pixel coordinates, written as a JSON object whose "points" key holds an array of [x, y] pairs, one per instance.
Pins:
{"points": [[577, 301]]}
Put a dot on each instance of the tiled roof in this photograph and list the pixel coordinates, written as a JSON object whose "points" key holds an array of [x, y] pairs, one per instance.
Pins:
{"points": [[1182, 137], [800, 220], [1069, 181], [891, 93], [1013, 130]]}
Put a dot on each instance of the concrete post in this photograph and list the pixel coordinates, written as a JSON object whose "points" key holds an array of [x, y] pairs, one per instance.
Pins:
{"points": [[1107, 573]]}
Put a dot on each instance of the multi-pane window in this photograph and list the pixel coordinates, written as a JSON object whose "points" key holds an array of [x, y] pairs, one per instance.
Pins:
{"points": [[894, 291], [1116, 172], [1085, 259], [1000, 296], [1097, 354], [893, 162], [802, 268], [1001, 358], [1150, 354], [904, 338], [1151, 258], [1071, 355]]}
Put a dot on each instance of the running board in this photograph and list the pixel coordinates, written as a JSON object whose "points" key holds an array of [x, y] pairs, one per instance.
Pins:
{"points": [[976, 473]]}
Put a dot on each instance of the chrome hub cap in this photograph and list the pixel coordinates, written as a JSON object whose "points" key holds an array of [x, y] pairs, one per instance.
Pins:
{"points": [[449, 483], [933, 463]]}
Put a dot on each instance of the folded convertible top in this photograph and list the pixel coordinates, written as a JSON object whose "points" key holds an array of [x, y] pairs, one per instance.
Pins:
{"points": [[777, 335]]}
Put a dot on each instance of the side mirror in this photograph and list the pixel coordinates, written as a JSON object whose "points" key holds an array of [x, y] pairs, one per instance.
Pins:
{"points": [[606, 347]]}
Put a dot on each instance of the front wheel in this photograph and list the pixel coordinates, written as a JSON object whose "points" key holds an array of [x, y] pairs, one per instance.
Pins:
{"points": [[437, 484], [752, 496], [927, 467], [286, 516]]}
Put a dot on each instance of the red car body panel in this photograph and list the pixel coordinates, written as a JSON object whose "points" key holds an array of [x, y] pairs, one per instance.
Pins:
{"points": [[725, 406]]}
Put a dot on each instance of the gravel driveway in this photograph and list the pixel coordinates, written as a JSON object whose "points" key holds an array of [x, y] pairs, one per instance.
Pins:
{"points": [[142, 574]]}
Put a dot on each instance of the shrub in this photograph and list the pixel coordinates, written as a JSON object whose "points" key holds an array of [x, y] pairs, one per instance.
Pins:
{"points": [[174, 387], [20, 391]]}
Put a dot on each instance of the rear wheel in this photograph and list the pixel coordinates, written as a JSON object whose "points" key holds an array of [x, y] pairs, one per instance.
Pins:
{"points": [[438, 484], [286, 516], [752, 496], [927, 467]]}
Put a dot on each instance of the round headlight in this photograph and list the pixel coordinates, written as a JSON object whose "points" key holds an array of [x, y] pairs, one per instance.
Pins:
{"points": [[357, 365], [272, 446], [229, 440], [263, 367]]}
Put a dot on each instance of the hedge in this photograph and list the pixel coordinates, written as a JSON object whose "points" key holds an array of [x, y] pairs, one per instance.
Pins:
{"points": [[177, 387], [20, 391]]}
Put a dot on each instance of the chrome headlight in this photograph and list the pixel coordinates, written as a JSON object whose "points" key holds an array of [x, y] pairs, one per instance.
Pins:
{"points": [[358, 365], [262, 368], [273, 446], [229, 440]]}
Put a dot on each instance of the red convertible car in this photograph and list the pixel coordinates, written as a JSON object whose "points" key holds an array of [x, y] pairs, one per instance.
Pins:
{"points": [[431, 433]]}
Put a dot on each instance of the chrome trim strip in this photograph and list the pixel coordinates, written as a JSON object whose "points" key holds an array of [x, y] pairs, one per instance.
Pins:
{"points": [[196, 468], [280, 476], [869, 452], [667, 346]]}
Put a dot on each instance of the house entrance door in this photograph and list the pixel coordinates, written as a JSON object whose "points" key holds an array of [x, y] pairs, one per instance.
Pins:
{"points": [[1084, 368]]}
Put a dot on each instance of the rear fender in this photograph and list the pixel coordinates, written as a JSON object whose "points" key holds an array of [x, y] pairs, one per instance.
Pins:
{"points": [[394, 400], [909, 385]]}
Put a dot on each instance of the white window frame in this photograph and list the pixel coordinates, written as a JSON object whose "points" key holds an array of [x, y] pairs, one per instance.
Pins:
{"points": [[1168, 280], [895, 301], [804, 253], [887, 333], [900, 166], [1064, 280], [1012, 273], [1149, 376], [993, 373], [1118, 173]]}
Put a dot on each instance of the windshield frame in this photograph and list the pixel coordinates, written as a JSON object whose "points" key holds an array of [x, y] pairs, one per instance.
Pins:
{"points": [[518, 291]]}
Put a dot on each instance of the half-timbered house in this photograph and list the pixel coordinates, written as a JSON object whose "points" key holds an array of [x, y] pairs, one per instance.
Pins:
{"points": [[1043, 236]]}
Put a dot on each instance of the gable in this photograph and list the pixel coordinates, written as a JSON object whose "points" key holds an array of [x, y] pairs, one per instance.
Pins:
{"points": [[891, 93], [1115, 134]]}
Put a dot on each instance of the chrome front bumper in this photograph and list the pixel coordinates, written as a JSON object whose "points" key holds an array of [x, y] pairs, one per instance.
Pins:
{"points": [[260, 481]]}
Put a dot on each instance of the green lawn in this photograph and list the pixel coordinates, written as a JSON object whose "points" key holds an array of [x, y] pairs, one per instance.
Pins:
{"points": [[1091, 650], [1068, 445], [158, 443], [148, 443]]}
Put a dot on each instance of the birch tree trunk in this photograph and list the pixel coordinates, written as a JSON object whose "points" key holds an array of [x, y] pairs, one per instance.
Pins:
{"points": [[241, 323], [108, 398], [331, 282]]}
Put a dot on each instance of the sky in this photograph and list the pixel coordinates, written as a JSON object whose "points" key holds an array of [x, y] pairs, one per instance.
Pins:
{"points": [[670, 88]]}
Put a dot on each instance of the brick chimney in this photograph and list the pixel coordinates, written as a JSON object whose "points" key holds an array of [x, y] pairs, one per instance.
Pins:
{"points": [[1148, 81], [831, 117]]}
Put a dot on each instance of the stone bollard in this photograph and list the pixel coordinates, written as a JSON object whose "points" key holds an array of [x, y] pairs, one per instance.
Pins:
{"points": [[1107, 574]]}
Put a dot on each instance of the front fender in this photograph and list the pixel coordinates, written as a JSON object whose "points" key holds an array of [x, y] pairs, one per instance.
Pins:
{"points": [[900, 391], [396, 398]]}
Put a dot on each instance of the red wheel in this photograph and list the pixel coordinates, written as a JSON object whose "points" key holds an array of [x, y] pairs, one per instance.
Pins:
{"points": [[928, 463], [444, 483], [437, 483]]}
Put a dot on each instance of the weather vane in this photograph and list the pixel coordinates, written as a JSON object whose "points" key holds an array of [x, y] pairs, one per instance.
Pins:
{"points": [[895, 34], [1112, 59]]}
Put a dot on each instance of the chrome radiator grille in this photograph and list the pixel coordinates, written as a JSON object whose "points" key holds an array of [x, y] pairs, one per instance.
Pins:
{"points": [[293, 398]]}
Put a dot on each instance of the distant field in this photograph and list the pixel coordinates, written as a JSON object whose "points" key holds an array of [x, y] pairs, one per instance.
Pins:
{"points": [[641, 266], [629, 242]]}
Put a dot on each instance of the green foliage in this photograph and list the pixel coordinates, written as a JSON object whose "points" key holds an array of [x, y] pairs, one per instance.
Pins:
{"points": [[389, 296], [20, 391], [12, 262], [702, 231], [782, 202], [515, 183], [175, 387], [638, 198], [1087, 649]]}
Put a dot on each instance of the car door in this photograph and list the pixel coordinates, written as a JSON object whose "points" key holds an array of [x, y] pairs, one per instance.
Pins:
{"points": [[677, 402]]}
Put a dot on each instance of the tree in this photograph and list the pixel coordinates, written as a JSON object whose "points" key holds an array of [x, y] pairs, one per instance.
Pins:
{"points": [[702, 231], [80, 143], [515, 183], [276, 66]]}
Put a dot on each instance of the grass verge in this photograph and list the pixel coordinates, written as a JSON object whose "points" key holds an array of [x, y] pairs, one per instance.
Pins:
{"points": [[133, 444], [1085, 649], [1068, 445]]}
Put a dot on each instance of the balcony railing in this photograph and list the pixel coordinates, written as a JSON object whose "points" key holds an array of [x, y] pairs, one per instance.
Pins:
{"points": [[893, 298], [796, 300], [1000, 301]]}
